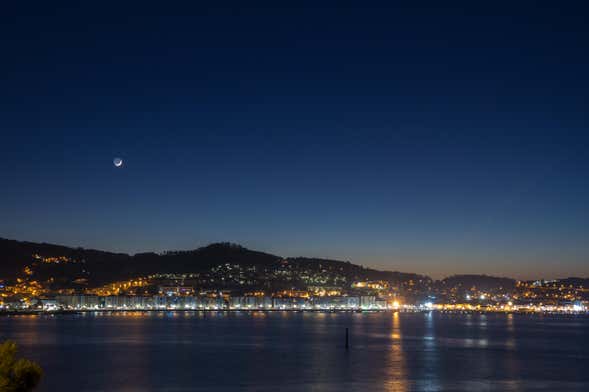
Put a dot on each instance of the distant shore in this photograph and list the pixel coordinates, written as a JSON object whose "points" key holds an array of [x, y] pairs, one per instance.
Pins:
{"points": [[84, 311]]}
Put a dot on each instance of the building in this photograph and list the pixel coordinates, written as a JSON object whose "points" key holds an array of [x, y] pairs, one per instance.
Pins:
{"points": [[250, 302], [78, 301]]}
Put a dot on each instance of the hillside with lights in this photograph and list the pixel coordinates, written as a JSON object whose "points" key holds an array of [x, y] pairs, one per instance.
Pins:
{"points": [[35, 270]]}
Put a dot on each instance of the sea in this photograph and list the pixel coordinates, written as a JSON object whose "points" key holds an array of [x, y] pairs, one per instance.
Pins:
{"points": [[304, 351]]}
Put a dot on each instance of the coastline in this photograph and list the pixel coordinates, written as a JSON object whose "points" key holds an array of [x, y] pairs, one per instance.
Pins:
{"points": [[110, 311]]}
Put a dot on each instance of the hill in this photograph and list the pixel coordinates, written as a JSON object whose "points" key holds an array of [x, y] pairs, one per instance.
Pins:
{"points": [[480, 282], [64, 266]]}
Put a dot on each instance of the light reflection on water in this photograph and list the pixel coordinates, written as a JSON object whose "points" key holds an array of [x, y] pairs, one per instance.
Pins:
{"points": [[289, 351], [397, 381]]}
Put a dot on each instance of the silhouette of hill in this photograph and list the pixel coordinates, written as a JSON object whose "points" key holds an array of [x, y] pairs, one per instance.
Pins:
{"points": [[96, 267], [481, 282]]}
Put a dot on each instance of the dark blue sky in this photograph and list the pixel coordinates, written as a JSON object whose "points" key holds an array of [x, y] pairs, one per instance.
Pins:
{"points": [[437, 139]]}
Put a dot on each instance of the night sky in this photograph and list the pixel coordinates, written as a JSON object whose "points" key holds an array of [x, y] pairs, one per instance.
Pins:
{"points": [[432, 140]]}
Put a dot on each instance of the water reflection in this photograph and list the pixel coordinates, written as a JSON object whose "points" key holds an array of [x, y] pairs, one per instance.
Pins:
{"points": [[256, 351], [429, 379], [510, 326], [397, 380]]}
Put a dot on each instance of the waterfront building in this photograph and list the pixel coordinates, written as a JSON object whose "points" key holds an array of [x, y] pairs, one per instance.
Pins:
{"points": [[78, 301], [160, 302], [257, 302], [367, 302], [212, 303], [381, 303], [49, 304], [250, 302], [290, 303], [336, 302]]}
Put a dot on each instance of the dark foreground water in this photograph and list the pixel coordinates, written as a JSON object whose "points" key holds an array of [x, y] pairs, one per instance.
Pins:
{"points": [[193, 351]]}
